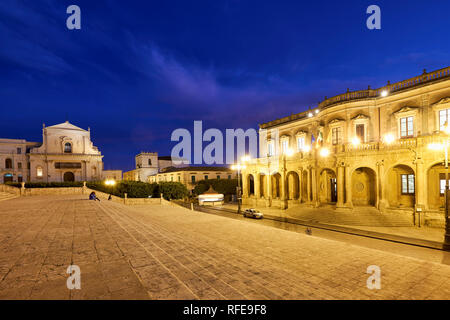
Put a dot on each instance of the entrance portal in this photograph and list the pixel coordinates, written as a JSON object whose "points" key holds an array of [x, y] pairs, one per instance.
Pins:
{"points": [[69, 177]]}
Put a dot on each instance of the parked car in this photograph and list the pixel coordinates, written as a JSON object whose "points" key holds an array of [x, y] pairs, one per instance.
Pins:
{"points": [[253, 213]]}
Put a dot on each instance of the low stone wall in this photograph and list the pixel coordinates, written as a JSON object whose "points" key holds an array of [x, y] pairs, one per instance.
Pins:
{"points": [[9, 189], [28, 192], [50, 191]]}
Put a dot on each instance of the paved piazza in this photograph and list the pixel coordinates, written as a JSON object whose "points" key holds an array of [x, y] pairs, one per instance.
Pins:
{"points": [[163, 252]]}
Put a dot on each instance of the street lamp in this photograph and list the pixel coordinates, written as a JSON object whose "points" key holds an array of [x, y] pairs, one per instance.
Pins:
{"points": [[389, 138], [324, 152], [238, 167], [440, 147]]}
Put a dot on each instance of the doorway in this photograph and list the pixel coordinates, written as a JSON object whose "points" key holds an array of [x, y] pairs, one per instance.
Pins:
{"points": [[333, 189], [69, 177]]}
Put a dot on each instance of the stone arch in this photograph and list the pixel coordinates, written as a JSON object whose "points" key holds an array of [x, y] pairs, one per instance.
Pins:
{"points": [[8, 177], [67, 147], [400, 184], [436, 174], [327, 186], [292, 185], [276, 185], [250, 185], [364, 190]]}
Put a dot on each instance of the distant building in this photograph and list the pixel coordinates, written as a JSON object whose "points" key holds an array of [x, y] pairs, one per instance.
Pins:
{"points": [[65, 154], [190, 175], [148, 164], [112, 174], [14, 160]]}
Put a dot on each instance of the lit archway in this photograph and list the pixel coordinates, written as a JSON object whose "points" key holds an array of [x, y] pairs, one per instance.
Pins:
{"points": [[436, 186], [364, 187], [276, 185], [7, 178], [328, 186], [400, 187], [292, 185]]}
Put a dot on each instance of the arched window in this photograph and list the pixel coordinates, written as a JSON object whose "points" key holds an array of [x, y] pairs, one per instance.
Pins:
{"points": [[68, 147], [39, 172], [8, 164], [149, 162]]}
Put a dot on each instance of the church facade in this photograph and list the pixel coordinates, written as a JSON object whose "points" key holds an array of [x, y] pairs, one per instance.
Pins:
{"points": [[65, 154], [382, 148]]}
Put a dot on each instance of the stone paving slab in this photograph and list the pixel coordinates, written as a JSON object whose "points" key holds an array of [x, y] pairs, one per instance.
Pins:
{"points": [[160, 252]]}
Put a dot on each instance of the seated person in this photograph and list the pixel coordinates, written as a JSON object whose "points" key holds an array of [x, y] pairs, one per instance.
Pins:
{"points": [[93, 196]]}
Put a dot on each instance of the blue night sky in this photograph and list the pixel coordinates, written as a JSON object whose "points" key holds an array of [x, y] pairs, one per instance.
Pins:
{"points": [[137, 70]]}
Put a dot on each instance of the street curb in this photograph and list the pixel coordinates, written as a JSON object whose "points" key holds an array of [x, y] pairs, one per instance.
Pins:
{"points": [[364, 233]]}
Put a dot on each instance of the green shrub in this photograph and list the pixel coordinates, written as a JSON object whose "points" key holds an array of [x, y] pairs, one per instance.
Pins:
{"points": [[14, 184], [172, 190], [133, 189], [223, 186], [47, 184]]}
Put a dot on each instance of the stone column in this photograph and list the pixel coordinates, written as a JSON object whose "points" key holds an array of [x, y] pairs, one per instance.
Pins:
{"points": [[314, 186], [340, 186], [420, 189], [348, 188], [269, 190], [300, 183], [308, 185], [244, 186], [382, 199], [283, 197], [257, 183]]}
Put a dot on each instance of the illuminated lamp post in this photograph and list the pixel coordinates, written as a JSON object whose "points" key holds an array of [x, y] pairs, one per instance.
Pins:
{"points": [[238, 167]]}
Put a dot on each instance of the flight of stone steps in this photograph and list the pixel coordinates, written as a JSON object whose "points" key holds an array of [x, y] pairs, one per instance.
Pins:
{"points": [[360, 216], [7, 196]]}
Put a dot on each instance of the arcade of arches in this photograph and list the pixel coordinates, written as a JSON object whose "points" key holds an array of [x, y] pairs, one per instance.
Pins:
{"points": [[395, 189]]}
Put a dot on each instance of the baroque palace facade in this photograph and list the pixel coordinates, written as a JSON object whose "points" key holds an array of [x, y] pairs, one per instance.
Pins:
{"points": [[382, 148]]}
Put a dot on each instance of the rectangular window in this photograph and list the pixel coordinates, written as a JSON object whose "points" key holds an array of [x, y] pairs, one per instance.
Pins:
{"points": [[19, 150], [406, 127], [39, 172], [442, 185], [229, 177], [19, 165], [193, 179], [171, 178], [206, 177], [443, 118], [218, 177], [67, 165], [284, 146], [336, 136], [407, 183], [360, 132], [270, 149], [179, 178], [300, 143]]}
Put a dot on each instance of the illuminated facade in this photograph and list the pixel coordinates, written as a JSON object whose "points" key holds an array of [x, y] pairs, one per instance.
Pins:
{"points": [[382, 148], [65, 154]]}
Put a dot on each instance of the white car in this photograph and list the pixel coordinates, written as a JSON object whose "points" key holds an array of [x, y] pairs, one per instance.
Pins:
{"points": [[253, 213]]}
